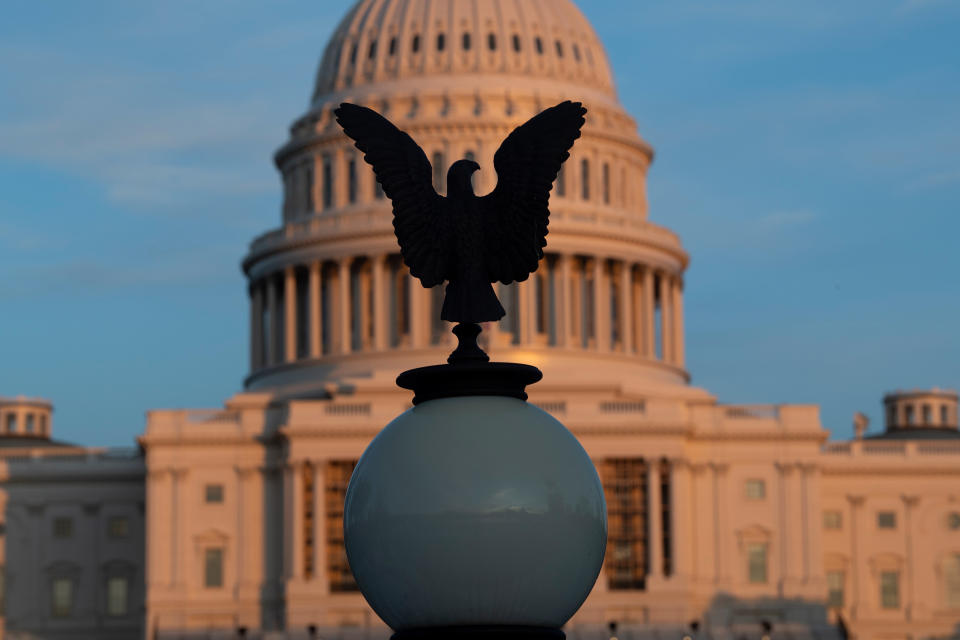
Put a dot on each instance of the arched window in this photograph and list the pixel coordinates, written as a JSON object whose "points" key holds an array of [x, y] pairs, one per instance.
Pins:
{"points": [[441, 42], [466, 42], [438, 166], [352, 180], [606, 183], [538, 43], [327, 182], [372, 53], [393, 46], [492, 41], [576, 52], [516, 43], [415, 45], [585, 179], [353, 54], [559, 49]]}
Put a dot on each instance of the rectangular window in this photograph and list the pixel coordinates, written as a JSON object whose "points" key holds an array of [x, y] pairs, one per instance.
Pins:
{"points": [[62, 597], [213, 493], [327, 182], [757, 562], [213, 568], [585, 179], [352, 180], [118, 527], [890, 589], [30, 423], [835, 580], [11, 422], [886, 520], [944, 419], [308, 187], [927, 414], [625, 488], [832, 520], [756, 489], [335, 492], [117, 596], [62, 527], [606, 183], [909, 414]]}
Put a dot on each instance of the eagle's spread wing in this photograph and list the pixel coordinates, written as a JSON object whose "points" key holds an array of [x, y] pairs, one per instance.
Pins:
{"points": [[404, 172], [516, 212]]}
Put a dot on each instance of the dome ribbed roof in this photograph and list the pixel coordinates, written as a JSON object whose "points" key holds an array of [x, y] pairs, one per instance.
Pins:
{"points": [[383, 40]]}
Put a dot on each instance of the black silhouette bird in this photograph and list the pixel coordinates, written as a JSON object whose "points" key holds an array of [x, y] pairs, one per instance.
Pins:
{"points": [[466, 240]]}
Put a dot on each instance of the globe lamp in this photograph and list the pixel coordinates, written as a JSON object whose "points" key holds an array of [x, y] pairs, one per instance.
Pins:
{"points": [[474, 513]]}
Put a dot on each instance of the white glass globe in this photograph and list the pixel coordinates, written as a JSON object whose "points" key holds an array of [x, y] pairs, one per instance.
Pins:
{"points": [[475, 511]]}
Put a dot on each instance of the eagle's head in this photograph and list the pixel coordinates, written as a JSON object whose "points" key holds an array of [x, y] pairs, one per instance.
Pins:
{"points": [[460, 177]]}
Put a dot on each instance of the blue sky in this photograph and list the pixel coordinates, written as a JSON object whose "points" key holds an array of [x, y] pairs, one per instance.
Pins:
{"points": [[807, 152]]}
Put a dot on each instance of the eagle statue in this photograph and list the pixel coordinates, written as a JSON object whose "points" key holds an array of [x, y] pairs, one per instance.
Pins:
{"points": [[466, 240]]}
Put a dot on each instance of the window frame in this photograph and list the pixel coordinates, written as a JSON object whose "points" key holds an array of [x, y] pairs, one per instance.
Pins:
{"points": [[213, 493], [125, 610], [208, 554], [894, 598], [827, 525], [882, 520], [67, 610], [755, 483], [62, 527], [114, 532], [838, 602], [764, 553]]}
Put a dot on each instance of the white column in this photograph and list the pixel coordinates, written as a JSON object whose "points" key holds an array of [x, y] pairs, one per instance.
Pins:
{"points": [[272, 333], [601, 305], [562, 289], [525, 300], [654, 520], [666, 317], [296, 520], [911, 605], [319, 526], [180, 545], [679, 349], [626, 307], [856, 584], [419, 320], [315, 287], [290, 314], [575, 287], [681, 510], [649, 335], [344, 316], [365, 322], [381, 302]]}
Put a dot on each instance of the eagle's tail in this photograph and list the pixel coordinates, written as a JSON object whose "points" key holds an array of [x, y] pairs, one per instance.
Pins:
{"points": [[471, 302]]}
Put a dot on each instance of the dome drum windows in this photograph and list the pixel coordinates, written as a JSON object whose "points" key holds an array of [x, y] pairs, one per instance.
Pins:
{"points": [[516, 43], [441, 42], [492, 41], [415, 44], [467, 42]]}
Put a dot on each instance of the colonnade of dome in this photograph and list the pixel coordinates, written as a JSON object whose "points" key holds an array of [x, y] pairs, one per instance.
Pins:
{"points": [[328, 287]]}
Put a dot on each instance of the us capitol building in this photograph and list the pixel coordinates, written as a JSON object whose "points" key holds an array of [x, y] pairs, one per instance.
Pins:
{"points": [[725, 521]]}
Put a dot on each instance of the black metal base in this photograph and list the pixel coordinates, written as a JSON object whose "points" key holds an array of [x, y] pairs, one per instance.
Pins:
{"points": [[469, 373], [478, 632]]}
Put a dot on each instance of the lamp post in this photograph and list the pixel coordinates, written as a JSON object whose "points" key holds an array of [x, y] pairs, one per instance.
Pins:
{"points": [[473, 514]]}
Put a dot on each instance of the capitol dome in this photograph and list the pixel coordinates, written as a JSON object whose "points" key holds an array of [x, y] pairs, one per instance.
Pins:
{"points": [[330, 297], [380, 42]]}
